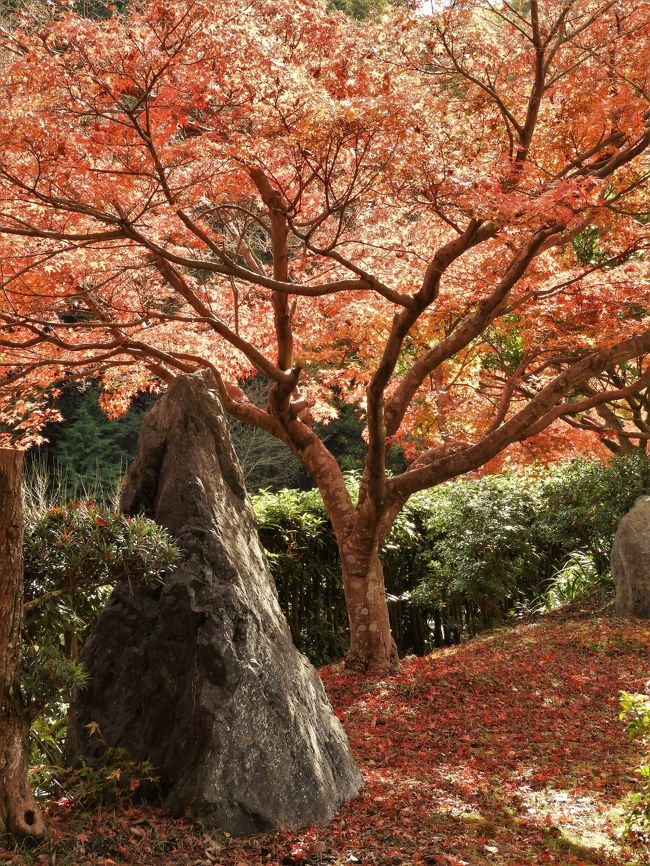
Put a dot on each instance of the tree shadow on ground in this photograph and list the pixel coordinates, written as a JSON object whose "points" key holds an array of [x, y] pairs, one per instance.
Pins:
{"points": [[516, 735]]}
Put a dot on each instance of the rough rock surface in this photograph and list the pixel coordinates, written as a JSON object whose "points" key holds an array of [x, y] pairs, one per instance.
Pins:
{"points": [[200, 676], [631, 561]]}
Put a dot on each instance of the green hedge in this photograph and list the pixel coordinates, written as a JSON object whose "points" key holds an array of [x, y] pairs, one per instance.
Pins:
{"points": [[302, 552], [460, 556]]}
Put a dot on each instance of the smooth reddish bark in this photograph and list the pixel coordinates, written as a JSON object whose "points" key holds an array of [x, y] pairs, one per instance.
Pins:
{"points": [[372, 648]]}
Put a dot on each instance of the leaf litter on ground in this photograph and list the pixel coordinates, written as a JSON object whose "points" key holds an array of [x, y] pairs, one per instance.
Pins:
{"points": [[504, 751]]}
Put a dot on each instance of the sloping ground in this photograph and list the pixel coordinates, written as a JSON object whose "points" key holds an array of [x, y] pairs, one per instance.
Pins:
{"points": [[507, 750]]}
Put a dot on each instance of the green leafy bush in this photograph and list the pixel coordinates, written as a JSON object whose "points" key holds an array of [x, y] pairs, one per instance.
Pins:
{"points": [[297, 535], [635, 712], [459, 557], [74, 555], [481, 545], [576, 577], [585, 500], [85, 544]]}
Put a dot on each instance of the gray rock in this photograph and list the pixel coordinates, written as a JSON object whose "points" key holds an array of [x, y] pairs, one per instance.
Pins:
{"points": [[200, 676], [631, 561]]}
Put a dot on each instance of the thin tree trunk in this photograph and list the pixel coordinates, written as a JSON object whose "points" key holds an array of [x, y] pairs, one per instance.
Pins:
{"points": [[438, 636], [419, 634], [372, 648], [18, 808]]}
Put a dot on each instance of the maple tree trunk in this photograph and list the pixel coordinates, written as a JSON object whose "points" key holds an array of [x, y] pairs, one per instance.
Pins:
{"points": [[18, 808], [372, 648]]}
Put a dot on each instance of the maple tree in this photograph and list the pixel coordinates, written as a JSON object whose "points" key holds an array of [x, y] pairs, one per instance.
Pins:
{"points": [[362, 213], [622, 426]]}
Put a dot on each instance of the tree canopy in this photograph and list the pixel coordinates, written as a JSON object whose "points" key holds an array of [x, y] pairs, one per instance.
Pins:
{"points": [[389, 213]]}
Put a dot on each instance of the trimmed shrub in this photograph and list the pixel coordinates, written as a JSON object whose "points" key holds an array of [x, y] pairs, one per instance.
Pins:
{"points": [[460, 557], [303, 556]]}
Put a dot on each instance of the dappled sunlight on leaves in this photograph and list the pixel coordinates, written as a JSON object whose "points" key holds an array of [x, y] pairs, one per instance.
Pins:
{"points": [[506, 750], [510, 742]]}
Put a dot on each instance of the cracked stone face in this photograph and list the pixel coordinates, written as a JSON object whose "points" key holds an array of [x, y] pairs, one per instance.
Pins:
{"points": [[631, 561], [199, 675]]}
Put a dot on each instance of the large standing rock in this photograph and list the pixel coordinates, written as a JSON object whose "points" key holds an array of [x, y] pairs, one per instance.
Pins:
{"points": [[200, 676], [631, 561]]}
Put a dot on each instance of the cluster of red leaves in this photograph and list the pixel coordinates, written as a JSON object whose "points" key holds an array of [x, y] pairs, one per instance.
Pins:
{"points": [[507, 750]]}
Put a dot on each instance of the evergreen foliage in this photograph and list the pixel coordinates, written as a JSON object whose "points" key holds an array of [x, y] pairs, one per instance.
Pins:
{"points": [[362, 9], [302, 552], [460, 557], [85, 447], [74, 554], [86, 453], [359, 8]]}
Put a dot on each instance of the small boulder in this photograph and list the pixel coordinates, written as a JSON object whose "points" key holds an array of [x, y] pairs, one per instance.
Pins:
{"points": [[199, 676], [631, 561]]}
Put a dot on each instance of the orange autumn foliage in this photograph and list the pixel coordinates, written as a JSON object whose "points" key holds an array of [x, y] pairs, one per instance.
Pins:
{"points": [[388, 213]]}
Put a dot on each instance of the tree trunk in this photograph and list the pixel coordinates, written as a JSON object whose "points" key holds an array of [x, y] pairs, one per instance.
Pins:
{"points": [[18, 808], [372, 648], [438, 636]]}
